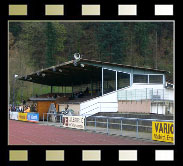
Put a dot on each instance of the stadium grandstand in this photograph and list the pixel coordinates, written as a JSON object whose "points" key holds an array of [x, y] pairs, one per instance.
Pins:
{"points": [[105, 87]]}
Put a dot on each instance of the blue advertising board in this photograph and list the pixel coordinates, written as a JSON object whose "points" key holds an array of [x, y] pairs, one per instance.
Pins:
{"points": [[33, 117]]}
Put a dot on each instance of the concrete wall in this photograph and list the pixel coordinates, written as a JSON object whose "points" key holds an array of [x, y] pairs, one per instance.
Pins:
{"points": [[146, 106], [134, 106]]}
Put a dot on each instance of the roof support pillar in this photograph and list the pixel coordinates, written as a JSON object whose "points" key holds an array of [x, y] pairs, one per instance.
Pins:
{"points": [[164, 80], [116, 80], [65, 91], [131, 79], [32, 88], [51, 88], [72, 89], [148, 78], [102, 81]]}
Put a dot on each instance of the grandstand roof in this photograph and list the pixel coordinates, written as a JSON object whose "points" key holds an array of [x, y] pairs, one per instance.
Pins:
{"points": [[83, 72]]}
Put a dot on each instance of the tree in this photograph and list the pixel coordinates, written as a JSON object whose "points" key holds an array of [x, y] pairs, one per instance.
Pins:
{"points": [[50, 44], [109, 41]]}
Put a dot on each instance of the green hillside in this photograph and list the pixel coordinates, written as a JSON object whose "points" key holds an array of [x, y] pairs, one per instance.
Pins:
{"points": [[36, 45]]}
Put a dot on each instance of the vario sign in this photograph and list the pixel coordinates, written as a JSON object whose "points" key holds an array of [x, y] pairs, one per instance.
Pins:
{"points": [[163, 131]]}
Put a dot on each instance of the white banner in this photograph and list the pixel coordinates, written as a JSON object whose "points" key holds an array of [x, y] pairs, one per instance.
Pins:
{"points": [[14, 115], [73, 122]]}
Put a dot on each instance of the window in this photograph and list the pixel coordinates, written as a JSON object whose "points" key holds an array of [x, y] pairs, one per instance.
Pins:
{"points": [[157, 79], [123, 80], [137, 78], [109, 82]]}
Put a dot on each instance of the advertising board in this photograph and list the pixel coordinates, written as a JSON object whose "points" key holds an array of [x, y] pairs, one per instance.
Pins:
{"points": [[22, 116], [163, 131], [33, 117], [73, 122], [14, 115]]}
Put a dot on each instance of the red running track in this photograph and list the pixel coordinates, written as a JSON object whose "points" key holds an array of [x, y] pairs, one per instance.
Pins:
{"points": [[26, 133]]}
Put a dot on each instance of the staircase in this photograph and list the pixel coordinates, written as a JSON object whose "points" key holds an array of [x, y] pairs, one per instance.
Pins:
{"points": [[105, 103]]}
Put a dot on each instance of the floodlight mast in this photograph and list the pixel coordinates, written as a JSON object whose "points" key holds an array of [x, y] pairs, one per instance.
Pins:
{"points": [[77, 58], [14, 77]]}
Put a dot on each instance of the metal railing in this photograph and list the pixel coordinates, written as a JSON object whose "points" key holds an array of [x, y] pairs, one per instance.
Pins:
{"points": [[145, 94], [54, 115], [122, 126]]}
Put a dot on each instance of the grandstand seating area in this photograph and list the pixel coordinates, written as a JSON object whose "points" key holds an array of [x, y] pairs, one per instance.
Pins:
{"points": [[67, 97]]}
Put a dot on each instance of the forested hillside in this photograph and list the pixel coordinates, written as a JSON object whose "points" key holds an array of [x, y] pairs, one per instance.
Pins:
{"points": [[36, 45]]}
